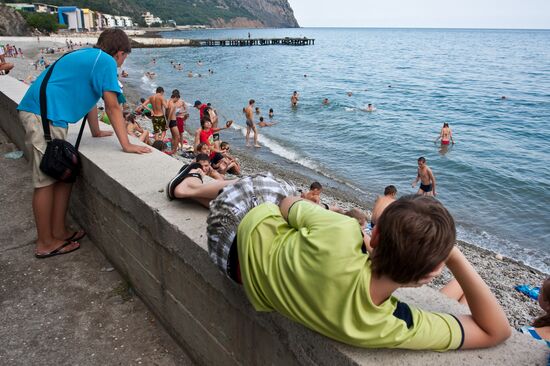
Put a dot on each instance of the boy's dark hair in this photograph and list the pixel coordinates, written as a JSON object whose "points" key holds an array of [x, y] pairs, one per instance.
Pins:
{"points": [[142, 100], [224, 144], [175, 93], [271, 109], [159, 145], [160, 89], [113, 40], [544, 320], [421, 159], [416, 234], [251, 101], [205, 118], [390, 190], [357, 214], [261, 119], [200, 146], [202, 157], [315, 185]]}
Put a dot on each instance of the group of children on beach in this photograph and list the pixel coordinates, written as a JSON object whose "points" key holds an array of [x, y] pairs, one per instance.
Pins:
{"points": [[290, 252]]}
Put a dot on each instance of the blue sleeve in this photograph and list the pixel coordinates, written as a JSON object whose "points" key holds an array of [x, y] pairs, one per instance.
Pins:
{"points": [[104, 76]]}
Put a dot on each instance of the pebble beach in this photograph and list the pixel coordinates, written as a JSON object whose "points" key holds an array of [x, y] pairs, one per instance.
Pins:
{"points": [[500, 273]]}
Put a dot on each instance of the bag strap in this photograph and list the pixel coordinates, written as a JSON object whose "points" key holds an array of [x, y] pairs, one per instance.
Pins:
{"points": [[44, 106]]}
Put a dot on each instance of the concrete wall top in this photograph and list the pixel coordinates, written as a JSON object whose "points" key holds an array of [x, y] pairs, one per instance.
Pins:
{"points": [[135, 184]]}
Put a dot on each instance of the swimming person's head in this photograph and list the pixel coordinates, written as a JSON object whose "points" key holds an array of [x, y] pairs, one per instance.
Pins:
{"points": [[412, 239], [261, 119], [544, 302]]}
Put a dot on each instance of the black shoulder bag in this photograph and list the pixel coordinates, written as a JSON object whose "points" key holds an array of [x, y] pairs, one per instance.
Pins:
{"points": [[61, 160]]}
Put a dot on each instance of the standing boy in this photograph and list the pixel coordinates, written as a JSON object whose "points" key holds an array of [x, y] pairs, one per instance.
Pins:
{"points": [[159, 106], [75, 86], [173, 104], [426, 177], [250, 125]]}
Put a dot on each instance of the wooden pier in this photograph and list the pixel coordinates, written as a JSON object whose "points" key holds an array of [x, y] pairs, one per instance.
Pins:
{"points": [[287, 41]]}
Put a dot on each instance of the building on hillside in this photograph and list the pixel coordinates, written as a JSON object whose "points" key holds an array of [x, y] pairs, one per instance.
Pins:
{"points": [[128, 22], [109, 21], [98, 20], [71, 16], [149, 19], [88, 22], [45, 8], [22, 6]]}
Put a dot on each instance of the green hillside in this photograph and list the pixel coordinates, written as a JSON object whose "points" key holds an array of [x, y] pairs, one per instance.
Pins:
{"points": [[184, 12]]}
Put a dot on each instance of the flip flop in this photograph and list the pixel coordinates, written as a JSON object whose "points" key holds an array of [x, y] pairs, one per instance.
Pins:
{"points": [[182, 174], [228, 123], [77, 235], [57, 251]]}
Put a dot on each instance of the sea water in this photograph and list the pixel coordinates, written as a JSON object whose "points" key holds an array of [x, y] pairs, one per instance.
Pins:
{"points": [[495, 180]]}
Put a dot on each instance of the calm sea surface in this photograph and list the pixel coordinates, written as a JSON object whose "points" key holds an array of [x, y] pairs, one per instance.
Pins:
{"points": [[495, 180]]}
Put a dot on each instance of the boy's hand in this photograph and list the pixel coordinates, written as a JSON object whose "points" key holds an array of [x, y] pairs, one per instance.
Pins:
{"points": [[136, 149]]}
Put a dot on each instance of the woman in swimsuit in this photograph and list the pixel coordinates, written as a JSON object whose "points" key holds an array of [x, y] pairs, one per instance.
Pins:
{"points": [[446, 135]]}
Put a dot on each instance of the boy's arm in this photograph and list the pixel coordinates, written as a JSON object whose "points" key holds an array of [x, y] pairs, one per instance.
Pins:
{"points": [[488, 325], [416, 180], [432, 177], [94, 124], [286, 203], [115, 116]]}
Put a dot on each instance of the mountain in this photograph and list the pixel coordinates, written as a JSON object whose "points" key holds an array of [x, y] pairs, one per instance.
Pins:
{"points": [[217, 13], [12, 23]]}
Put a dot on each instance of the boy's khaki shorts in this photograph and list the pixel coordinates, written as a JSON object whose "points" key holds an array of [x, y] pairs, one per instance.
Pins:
{"points": [[36, 145]]}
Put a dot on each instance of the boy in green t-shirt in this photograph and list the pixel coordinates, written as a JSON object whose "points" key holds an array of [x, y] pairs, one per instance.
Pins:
{"points": [[312, 266]]}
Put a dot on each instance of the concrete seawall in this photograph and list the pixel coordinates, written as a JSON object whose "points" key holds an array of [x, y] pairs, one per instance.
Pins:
{"points": [[160, 248]]}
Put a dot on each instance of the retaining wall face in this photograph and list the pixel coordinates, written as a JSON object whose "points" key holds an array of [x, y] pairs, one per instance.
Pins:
{"points": [[160, 248]]}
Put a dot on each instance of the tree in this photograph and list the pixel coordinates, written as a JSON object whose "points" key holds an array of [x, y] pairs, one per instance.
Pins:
{"points": [[43, 22]]}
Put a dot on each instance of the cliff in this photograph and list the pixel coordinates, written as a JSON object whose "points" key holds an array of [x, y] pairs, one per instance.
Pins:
{"points": [[12, 23]]}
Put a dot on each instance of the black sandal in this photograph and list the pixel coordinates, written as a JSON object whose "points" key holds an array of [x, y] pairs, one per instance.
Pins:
{"points": [[182, 174]]}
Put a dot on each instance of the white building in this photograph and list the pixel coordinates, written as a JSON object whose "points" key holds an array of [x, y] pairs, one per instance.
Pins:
{"points": [[127, 22], [109, 21], [149, 19]]}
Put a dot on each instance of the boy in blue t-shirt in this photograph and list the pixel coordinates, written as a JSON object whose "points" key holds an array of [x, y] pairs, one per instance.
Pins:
{"points": [[76, 84]]}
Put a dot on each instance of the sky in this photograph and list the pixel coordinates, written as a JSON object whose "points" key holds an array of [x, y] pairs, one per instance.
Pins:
{"points": [[532, 14]]}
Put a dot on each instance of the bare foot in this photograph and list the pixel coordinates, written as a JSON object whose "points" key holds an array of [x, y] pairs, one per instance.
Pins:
{"points": [[257, 145]]}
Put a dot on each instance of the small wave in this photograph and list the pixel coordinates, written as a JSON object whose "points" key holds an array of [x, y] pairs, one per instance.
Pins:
{"points": [[530, 256], [282, 151], [349, 109]]}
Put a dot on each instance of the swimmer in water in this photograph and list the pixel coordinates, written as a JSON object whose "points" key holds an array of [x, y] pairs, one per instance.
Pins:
{"points": [[271, 113], [257, 109], [349, 94], [326, 101], [262, 123], [294, 99], [445, 135]]}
